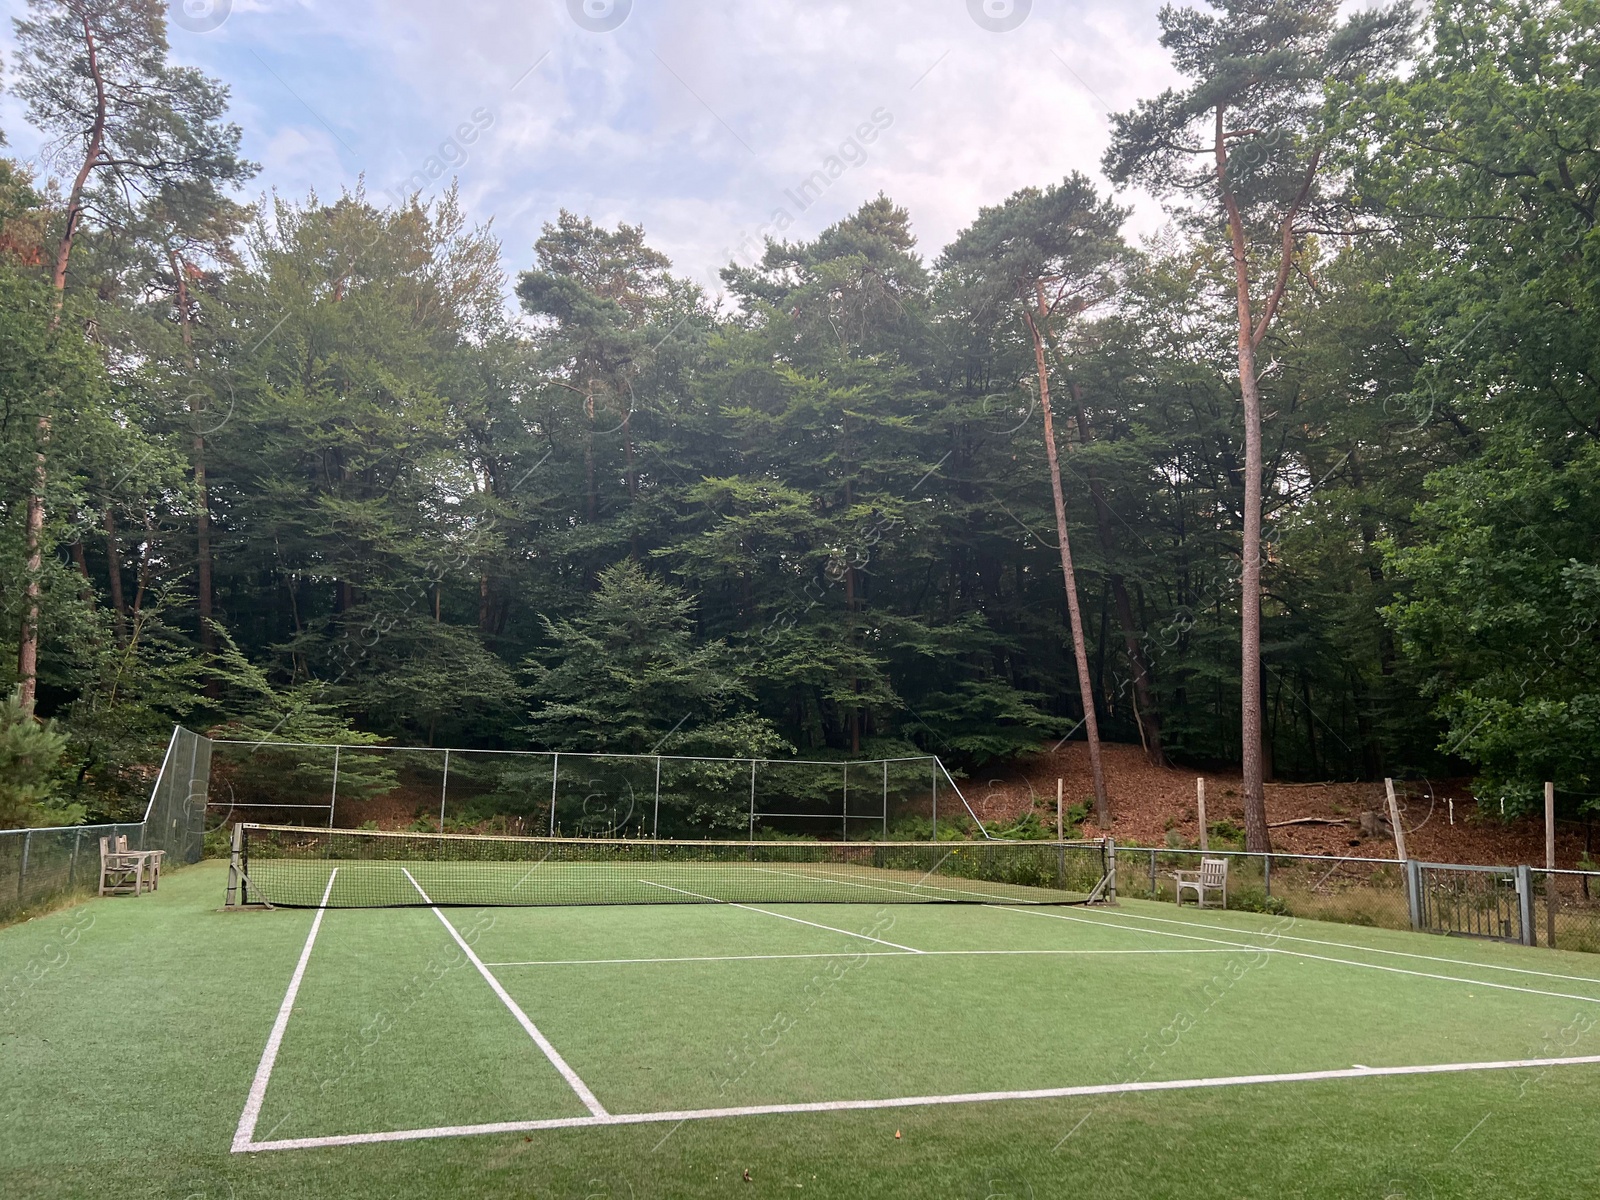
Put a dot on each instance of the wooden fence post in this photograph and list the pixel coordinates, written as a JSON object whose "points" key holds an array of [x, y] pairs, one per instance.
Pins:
{"points": [[1394, 820], [1552, 896]]}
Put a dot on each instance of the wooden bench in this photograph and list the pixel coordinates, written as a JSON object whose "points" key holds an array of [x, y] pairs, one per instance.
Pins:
{"points": [[123, 870]]}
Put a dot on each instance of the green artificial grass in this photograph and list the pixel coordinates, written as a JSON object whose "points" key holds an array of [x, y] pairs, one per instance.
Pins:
{"points": [[131, 1029]]}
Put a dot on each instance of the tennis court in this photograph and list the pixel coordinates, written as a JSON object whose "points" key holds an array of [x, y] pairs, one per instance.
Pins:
{"points": [[573, 1017], [1021, 1049]]}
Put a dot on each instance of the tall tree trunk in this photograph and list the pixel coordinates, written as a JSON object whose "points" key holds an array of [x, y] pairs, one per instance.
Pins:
{"points": [[203, 585], [119, 606], [28, 642], [1257, 837], [589, 486], [633, 482], [1146, 713], [1102, 805], [33, 539], [80, 560]]}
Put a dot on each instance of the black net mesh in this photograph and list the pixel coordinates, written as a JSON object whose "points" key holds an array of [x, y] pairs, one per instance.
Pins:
{"points": [[299, 867]]}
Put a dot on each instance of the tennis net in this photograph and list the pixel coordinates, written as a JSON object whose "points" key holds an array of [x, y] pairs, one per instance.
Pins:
{"points": [[293, 866]]}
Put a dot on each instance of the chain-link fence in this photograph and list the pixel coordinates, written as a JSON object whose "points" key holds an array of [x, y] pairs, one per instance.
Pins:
{"points": [[520, 792], [1354, 891], [1559, 909], [1566, 910], [38, 866]]}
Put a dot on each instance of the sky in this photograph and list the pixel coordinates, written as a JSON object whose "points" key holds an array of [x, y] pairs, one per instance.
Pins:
{"points": [[702, 120]]}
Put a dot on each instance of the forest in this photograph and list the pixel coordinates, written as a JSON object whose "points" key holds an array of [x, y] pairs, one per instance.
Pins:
{"points": [[1328, 446]]}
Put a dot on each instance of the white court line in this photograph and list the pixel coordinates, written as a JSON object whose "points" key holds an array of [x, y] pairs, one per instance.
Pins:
{"points": [[826, 1106], [1347, 962], [878, 887], [550, 1052], [784, 916], [1460, 962], [597, 962], [258, 1086]]}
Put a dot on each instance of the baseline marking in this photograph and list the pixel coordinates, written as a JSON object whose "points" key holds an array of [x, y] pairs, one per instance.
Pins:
{"points": [[550, 1052], [269, 1057], [600, 962], [1289, 937], [825, 1106], [1347, 962], [784, 917]]}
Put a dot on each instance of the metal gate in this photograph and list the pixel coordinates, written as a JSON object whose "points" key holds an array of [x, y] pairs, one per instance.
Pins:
{"points": [[1467, 901]]}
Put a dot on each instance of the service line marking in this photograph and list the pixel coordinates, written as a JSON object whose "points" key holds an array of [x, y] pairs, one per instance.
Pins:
{"points": [[1289, 937], [827, 1106], [703, 958], [1327, 958], [785, 917], [926, 890]]}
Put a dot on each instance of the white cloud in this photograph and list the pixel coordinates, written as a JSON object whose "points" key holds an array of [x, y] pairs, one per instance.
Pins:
{"points": [[693, 117]]}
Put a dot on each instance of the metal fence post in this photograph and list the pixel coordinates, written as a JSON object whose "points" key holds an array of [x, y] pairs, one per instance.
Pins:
{"points": [[444, 787], [555, 771], [1525, 905], [1413, 872], [333, 799], [1152, 874], [1111, 870], [655, 819], [886, 799], [1266, 873], [844, 807], [72, 867], [22, 875], [936, 799], [752, 799]]}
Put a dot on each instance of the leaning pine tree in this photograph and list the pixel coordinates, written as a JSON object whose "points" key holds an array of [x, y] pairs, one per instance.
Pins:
{"points": [[1049, 256], [1250, 139]]}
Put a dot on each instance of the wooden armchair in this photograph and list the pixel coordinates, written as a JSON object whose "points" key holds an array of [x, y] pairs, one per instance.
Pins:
{"points": [[1211, 877], [152, 860], [120, 871]]}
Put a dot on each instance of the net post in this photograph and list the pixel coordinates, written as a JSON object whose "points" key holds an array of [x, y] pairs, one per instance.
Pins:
{"points": [[752, 799], [444, 788], [334, 798], [655, 818], [234, 899], [555, 770]]}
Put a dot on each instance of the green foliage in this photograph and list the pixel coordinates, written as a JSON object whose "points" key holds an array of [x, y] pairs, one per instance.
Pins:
{"points": [[30, 770], [628, 677], [1229, 833], [1486, 158], [823, 520]]}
